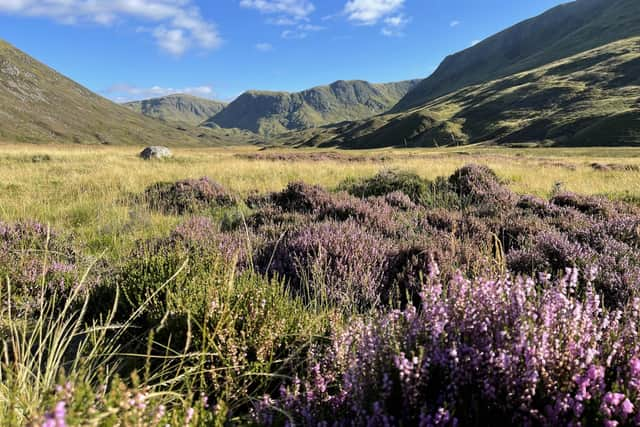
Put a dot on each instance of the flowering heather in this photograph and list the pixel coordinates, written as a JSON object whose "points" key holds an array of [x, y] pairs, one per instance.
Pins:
{"points": [[187, 196], [475, 351], [33, 256], [399, 200], [341, 262], [592, 205], [302, 198], [481, 188]]}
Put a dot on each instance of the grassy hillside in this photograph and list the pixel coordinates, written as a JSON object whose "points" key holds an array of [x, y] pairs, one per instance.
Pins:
{"points": [[271, 113], [590, 99], [559, 33], [179, 108], [39, 105]]}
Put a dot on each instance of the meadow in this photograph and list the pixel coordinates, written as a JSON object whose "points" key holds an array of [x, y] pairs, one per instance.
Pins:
{"points": [[303, 287]]}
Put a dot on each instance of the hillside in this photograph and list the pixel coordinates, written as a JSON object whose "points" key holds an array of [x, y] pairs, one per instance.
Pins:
{"points": [[592, 98], [39, 105], [559, 33], [271, 113], [179, 108]]}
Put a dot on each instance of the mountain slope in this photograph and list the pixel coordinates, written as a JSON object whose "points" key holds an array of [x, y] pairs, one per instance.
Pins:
{"points": [[39, 105], [179, 108], [589, 99], [559, 33], [271, 113]]}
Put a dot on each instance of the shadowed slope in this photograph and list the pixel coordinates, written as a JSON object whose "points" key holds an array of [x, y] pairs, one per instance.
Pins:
{"points": [[586, 100], [558, 33]]}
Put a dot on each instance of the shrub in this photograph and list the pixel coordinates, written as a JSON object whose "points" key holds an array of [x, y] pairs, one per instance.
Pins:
{"points": [[479, 187], [341, 263], [187, 196], [35, 258], [592, 205], [475, 352], [387, 182], [301, 197]]}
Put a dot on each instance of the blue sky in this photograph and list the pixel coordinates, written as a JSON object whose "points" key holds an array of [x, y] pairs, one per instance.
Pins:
{"points": [[134, 49]]}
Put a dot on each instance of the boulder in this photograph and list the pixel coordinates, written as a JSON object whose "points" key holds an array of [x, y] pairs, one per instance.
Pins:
{"points": [[155, 152]]}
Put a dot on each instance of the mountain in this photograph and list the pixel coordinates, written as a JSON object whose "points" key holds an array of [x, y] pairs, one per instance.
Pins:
{"points": [[271, 113], [39, 105], [592, 98], [179, 108], [559, 33]]}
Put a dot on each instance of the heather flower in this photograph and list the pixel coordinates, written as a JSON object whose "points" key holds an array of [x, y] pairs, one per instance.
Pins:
{"points": [[340, 261], [187, 196], [475, 351], [481, 188]]}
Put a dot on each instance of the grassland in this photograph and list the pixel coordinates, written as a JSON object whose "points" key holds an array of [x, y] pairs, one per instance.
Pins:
{"points": [[298, 303], [86, 189]]}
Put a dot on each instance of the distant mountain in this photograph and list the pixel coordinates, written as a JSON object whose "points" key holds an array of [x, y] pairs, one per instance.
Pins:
{"points": [[39, 105], [589, 99], [179, 108], [272, 113], [559, 33]]}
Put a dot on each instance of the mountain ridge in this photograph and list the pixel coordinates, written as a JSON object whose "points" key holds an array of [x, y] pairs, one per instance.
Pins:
{"points": [[558, 33], [178, 108], [273, 112], [40, 105], [589, 99]]}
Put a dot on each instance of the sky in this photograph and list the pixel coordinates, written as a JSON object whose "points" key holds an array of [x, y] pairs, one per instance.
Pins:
{"points": [[137, 49]]}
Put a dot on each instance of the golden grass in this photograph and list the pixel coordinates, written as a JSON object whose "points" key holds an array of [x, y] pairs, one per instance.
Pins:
{"points": [[87, 189]]}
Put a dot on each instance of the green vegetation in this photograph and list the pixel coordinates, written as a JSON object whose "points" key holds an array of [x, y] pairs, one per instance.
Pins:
{"points": [[180, 109], [271, 113], [135, 293], [589, 99], [561, 32], [38, 105]]}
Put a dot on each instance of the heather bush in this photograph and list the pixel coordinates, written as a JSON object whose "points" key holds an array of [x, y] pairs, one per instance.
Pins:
{"points": [[390, 184], [475, 351], [160, 269], [187, 196], [387, 182], [341, 263], [592, 205], [34, 258], [479, 187], [302, 198]]}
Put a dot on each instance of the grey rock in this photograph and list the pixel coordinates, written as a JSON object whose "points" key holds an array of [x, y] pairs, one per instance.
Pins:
{"points": [[155, 152]]}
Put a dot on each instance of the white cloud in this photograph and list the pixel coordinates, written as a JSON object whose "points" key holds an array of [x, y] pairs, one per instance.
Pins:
{"points": [[301, 31], [298, 9], [454, 23], [293, 34], [180, 25], [124, 92], [369, 12], [264, 47], [394, 25]]}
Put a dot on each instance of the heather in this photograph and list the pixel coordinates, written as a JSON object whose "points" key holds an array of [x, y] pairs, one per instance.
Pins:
{"points": [[187, 196], [429, 296], [474, 351]]}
